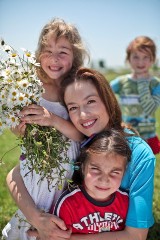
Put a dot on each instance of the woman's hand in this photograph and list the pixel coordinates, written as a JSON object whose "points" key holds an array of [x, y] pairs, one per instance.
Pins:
{"points": [[50, 227], [35, 114]]}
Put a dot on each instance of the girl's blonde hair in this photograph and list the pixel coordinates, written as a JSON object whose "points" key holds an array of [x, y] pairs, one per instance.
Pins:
{"points": [[142, 44], [59, 28]]}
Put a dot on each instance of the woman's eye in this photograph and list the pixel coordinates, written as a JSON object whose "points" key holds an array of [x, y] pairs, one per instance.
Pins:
{"points": [[91, 101], [72, 109]]}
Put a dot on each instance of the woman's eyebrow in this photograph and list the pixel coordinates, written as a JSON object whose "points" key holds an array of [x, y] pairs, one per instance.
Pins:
{"points": [[91, 95]]}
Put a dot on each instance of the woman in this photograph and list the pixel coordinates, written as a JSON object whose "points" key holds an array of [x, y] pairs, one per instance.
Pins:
{"points": [[93, 107]]}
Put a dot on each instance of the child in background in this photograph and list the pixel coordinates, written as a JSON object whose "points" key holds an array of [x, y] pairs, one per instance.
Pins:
{"points": [[60, 52], [95, 204], [139, 92]]}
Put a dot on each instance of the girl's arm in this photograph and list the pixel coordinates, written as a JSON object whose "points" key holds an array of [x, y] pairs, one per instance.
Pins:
{"points": [[127, 234], [41, 116], [48, 226]]}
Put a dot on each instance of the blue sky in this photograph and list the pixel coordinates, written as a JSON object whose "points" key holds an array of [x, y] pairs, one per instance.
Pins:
{"points": [[107, 26]]}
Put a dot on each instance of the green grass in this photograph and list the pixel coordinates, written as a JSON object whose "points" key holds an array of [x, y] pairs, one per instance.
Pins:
{"points": [[7, 205]]}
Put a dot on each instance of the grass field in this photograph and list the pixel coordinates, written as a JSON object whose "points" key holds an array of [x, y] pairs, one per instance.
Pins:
{"points": [[7, 206]]}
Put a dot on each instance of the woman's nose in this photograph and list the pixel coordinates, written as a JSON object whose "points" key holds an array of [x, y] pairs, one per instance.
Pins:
{"points": [[83, 113]]}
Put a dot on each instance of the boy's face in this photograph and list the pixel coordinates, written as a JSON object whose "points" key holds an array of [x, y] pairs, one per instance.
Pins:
{"points": [[103, 174], [57, 58], [140, 62]]}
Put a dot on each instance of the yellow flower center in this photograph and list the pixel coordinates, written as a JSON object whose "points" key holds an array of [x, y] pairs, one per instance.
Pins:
{"points": [[14, 93], [21, 98], [14, 55], [28, 54], [13, 119]]}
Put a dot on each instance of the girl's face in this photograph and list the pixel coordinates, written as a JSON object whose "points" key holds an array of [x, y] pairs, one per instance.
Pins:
{"points": [[140, 62], [86, 109], [57, 58], [103, 174]]}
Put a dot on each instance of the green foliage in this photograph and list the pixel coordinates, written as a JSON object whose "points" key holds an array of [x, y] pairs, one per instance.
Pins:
{"points": [[43, 148]]}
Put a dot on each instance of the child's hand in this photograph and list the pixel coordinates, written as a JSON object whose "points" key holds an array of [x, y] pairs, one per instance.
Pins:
{"points": [[35, 114], [19, 130]]}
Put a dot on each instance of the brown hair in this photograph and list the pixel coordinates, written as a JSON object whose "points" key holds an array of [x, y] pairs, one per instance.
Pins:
{"points": [[142, 44], [110, 141], [59, 28]]}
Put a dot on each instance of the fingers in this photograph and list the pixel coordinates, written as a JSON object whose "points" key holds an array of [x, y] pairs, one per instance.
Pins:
{"points": [[50, 227], [56, 233], [35, 114], [32, 113], [60, 223], [32, 233], [31, 109], [19, 130]]}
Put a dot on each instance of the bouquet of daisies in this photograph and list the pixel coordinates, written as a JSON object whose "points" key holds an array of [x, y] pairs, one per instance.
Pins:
{"points": [[19, 87]]}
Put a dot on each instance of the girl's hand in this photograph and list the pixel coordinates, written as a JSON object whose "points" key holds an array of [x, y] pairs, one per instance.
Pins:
{"points": [[35, 114], [19, 130], [50, 227]]}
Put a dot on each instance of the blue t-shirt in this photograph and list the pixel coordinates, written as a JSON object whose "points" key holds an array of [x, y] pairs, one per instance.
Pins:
{"points": [[139, 181]]}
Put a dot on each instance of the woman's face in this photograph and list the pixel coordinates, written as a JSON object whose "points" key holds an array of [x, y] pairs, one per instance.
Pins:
{"points": [[86, 109]]}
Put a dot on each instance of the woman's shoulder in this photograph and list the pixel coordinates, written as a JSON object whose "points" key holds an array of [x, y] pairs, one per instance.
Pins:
{"points": [[139, 147], [141, 151]]}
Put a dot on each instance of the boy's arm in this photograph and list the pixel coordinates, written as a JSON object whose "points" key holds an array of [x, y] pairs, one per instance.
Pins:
{"points": [[149, 101], [128, 233], [35, 114]]}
